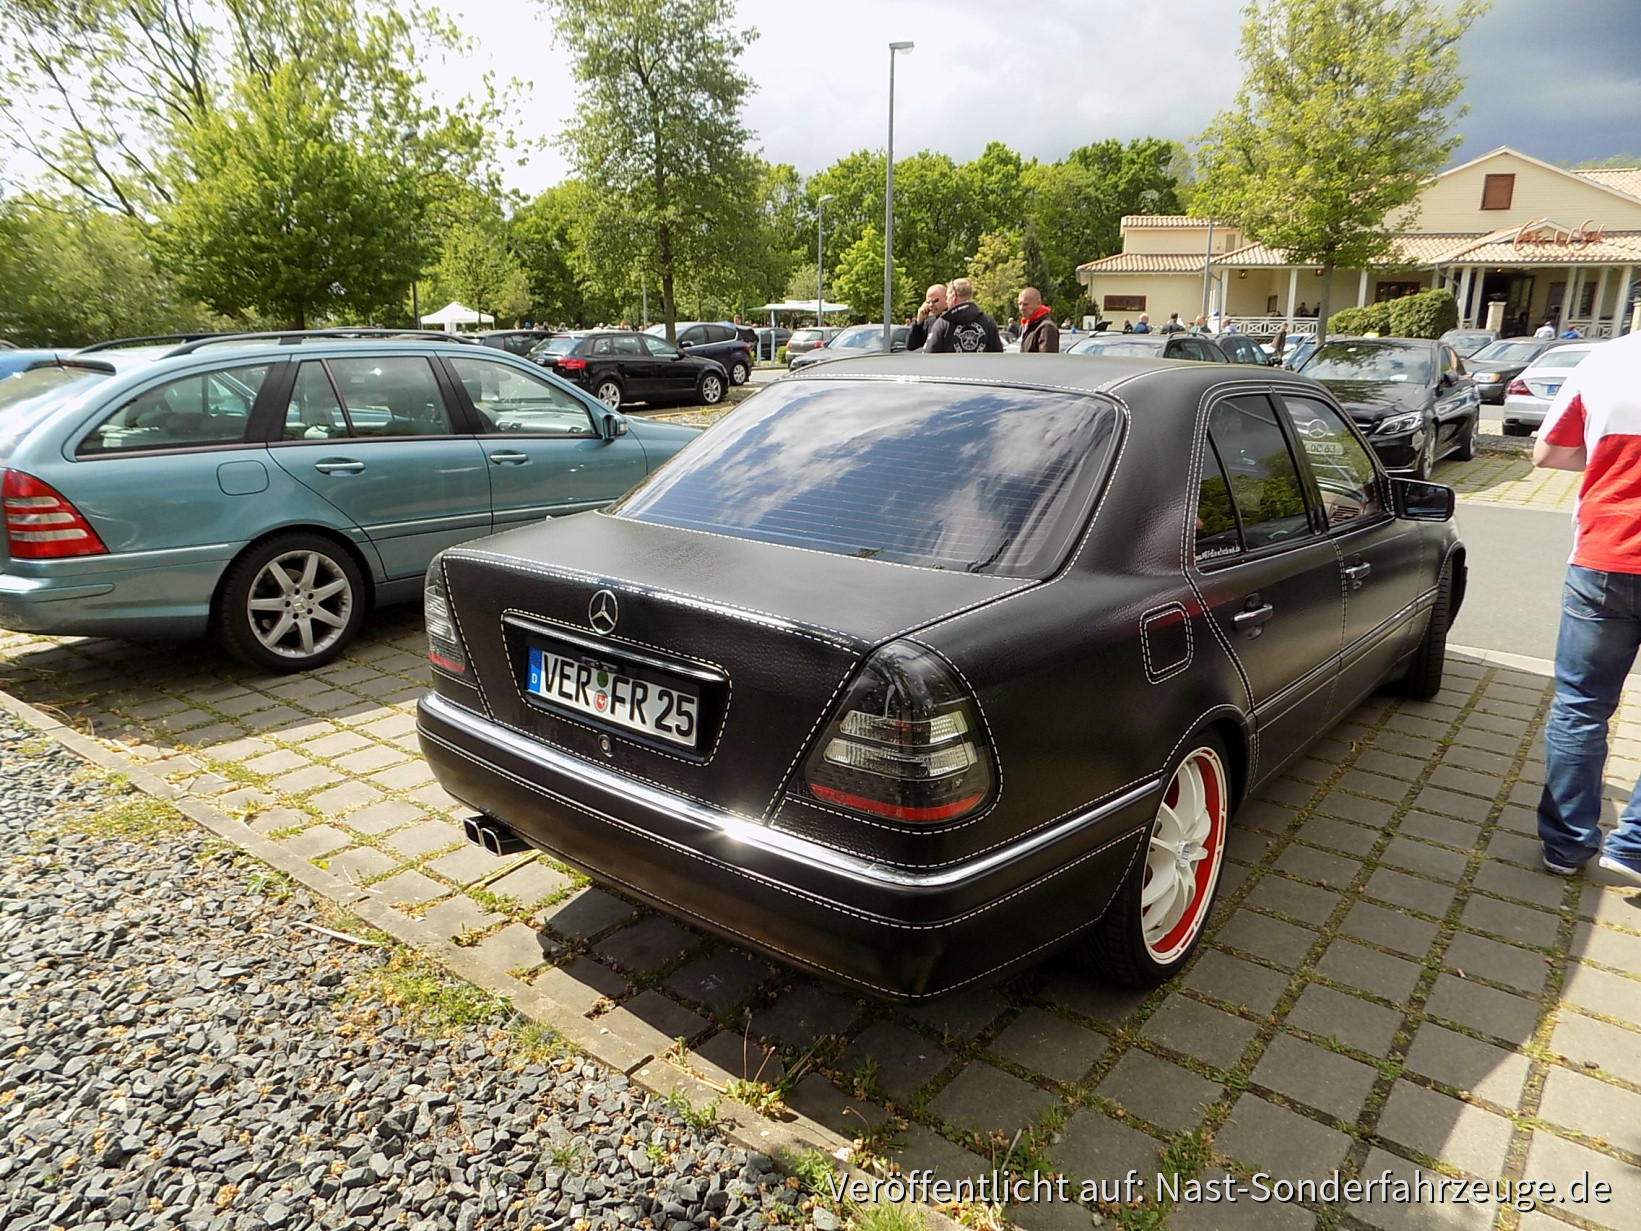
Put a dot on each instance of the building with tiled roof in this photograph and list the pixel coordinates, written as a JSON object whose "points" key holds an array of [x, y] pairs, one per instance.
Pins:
{"points": [[1519, 241]]}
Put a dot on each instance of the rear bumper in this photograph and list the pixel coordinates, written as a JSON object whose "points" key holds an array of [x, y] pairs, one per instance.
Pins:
{"points": [[896, 933], [168, 600], [1528, 411]]}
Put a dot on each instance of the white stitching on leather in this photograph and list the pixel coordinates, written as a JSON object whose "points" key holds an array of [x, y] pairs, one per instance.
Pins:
{"points": [[478, 683], [803, 744], [1173, 669]]}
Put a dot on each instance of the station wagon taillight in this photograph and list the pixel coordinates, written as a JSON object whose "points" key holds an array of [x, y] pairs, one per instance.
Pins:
{"points": [[1518, 388], [905, 743], [41, 524]]}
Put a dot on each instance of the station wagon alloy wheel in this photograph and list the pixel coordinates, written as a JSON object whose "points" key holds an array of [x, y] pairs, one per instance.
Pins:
{"points": [[291, 604], [1182, 861]]}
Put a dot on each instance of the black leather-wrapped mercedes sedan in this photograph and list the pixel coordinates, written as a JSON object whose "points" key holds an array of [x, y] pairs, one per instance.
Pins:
{"points": [[914, 670]]}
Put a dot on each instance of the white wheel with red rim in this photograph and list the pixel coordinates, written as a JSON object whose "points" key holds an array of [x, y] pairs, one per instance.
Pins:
{"points": [[1183, 858]]}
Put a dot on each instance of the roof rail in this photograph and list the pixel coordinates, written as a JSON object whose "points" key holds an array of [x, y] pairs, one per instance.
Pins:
{"points": [[150, 340], [293, 337]]}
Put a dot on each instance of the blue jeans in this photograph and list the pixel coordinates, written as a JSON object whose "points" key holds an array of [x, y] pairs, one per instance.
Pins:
{"points": [[1600, 634]]}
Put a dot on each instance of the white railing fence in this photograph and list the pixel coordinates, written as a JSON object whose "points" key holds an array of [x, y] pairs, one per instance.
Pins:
{"points": [[1270, 326]]}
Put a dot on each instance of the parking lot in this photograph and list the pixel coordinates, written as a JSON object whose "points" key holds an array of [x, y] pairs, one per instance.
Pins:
{"points": [[1389, 982]]}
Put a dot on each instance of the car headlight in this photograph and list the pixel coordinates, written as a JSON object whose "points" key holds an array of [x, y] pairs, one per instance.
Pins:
{"points": [[1485, 378], [1399, 423]]}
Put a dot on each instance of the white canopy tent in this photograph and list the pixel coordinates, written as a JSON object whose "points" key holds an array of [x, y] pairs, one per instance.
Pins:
{"points": [[803, 305], [454, 314]]}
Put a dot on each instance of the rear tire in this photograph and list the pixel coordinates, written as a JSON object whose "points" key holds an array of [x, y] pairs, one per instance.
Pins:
{"points": [[739, 373], [1423, 679], [291, 603], [1467, 443], [1156, 920], [609, 392], [711, 389]]}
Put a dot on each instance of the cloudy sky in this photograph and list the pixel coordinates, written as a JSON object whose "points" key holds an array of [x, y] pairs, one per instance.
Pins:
{"points": [[1560, 80]]}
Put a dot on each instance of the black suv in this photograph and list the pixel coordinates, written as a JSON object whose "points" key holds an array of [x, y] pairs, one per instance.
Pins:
{"points": [[718, 340], [618, 365]]}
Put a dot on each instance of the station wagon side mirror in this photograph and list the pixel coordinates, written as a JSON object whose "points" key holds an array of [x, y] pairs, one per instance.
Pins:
{"points": [[614, 426], [1419, 501]]}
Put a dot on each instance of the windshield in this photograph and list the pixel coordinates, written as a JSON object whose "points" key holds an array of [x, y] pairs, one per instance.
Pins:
{"points": [[858, 337], [1466, 341], [1509, 352], [1367, 361], [1562, 357], [28, 397], [807, 335], [554, 346], [1118, 346], [945, 476]]}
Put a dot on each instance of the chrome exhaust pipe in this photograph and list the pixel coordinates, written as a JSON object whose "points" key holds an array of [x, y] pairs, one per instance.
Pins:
{"points": [[495, 836]]}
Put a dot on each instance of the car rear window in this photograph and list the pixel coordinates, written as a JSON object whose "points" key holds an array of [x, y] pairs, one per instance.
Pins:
{"points": [[28, 398], [1118, 346], [1562, 357], [948, 476], [556, 346]]}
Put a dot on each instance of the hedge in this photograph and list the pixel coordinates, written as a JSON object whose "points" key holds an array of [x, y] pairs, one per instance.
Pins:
{"points": [[1429, 314], [1375, 318]]}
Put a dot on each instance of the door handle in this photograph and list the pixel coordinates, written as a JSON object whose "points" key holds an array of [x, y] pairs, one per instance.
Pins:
{"points": [[509, 457], [1358, 573], [1252, 621], [338, 465]]}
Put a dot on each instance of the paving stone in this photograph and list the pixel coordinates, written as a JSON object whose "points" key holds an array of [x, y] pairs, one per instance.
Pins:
{"points": [[1587, 1042], [1287, 897], [1369, 970], [721, 979], [581, 984], [316, 842], [1389, 1214], [666, 1015], [1495, 960], [1513, 922], [1096, 1147], [1100, 1001], [1412, 892], [1391, 929], [1240, 1215], [900, 1060], [1607, 946], [518, 946], [457, 915], [275, 819], [409, 888], [1271, 1138], [348, 797], [1349, 1019], [924, 1149], [1535, 886], [423, 839], [585, 914], [1320, 1078], [1048, 1213], [1050, 1045], [1281, 942], [1390, 764], [1374, 786], [300, 781], [337, 744], [1427, 860], [279, 761], [804, 1014], [467, 865], [1247, 845], [963, 1015], [1284, 793], [1482, 760], [1374, 813], [1486, 1009], [651, 942], [360, 863], [272, 719], [1610, 905], [823, 1102], [1460, 834], [383, 817], [1236, 981], [1163, 1093], [1464, 1063], [1339, 835], [984, 1097], [1467, 781], [371, 757], [1515, 847], [534, 882], [1446, 1128], [1551, 1156], [743, 1057], [1594, 1107], [1198, 1030], [1335, 871]]}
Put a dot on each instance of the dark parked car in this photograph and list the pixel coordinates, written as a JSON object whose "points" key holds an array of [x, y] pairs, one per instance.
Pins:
{"points": [[618, 366], [1410, 397], [803, 341], [914, 678], [730, 345], [1466, 342], [770, 339], [513, 341], [1240, 348], [1495, 365], [1151, 345], [849, 343]]}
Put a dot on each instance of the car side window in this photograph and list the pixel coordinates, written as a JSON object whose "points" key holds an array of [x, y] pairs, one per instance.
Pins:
{"points": [[314, 411], [207, 408], [1260, 471], [1351, 486], [692, 336], [391, 395], [1217, 532], [659, 348], [722, 333], [515, 402]]}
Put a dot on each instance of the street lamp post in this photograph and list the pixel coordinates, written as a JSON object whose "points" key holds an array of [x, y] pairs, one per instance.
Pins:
{"points": [[889, 210], [820, 260]]}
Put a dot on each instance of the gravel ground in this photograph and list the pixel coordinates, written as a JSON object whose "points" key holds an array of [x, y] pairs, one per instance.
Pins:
{"points": [[178, 1051]]}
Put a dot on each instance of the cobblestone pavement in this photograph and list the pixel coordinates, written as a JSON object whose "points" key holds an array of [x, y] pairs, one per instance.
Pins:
{"points": [[1389, 981]]}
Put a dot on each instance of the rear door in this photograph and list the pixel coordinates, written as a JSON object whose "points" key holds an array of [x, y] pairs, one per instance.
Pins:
{"points": [[547, 456], [1456, 398], [1268, 575], [671, 376], [375, 437]]}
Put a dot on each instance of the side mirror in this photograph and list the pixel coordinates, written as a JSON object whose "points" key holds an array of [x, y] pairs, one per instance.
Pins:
{"points": [[1416, 500], [614, 425], [685, 345]]}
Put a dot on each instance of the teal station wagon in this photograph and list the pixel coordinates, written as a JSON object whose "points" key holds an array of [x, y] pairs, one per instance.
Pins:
{"points": [[271, 489]]}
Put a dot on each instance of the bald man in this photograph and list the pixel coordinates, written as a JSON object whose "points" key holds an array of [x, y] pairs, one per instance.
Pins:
{"points": [[934, 303], [1040, 335]]}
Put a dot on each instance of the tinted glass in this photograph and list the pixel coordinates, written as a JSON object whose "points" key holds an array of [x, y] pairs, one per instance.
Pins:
{"points": [[1195, 348], [209, 408], [1366, 361], [1344, 472], [394, 395], [659, 347], [1118, 346], [314, 413], [806, 335], [1511, 352], [1562, 357], [1265, 485], [556, 346], [1217, 534], [858, 337], [720, 333], [943, 476], [509, 400], [27, 398]]}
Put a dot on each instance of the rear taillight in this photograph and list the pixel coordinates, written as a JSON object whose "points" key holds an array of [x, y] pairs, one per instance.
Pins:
{"points": [[1519, 387], [444, 639], [572, 364], [905, 743], [41, 524]]}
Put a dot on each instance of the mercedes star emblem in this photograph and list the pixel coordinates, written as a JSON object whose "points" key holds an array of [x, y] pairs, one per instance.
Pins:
{"points": [[603, 612]]}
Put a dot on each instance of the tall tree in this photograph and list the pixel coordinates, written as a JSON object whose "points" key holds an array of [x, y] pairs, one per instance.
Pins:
{"points": [[858, 280], [1345, 110], [658, 128], [998, 271], [476, 267]]}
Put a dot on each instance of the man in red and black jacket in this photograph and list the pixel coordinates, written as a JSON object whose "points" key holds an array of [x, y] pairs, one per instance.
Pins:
{"points": [[1039, 334]]}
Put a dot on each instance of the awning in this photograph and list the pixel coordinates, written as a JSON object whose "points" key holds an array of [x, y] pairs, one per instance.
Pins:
{"points": [[454, 313], [804, 305]]}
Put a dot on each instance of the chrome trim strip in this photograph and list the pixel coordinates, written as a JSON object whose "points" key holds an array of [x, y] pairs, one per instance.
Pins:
{"points": [[752, 833]]}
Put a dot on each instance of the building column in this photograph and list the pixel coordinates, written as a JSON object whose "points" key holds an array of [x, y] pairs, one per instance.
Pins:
{"points": [[1464, 296], [1293, 293], [1569, 306], [1361, 290], [1597, 309], [1621, 309]]}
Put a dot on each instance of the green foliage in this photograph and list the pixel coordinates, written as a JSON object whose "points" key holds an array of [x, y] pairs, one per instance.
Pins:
{"points": [[1373, 318], [888, 1218], [858, 281], [437, 1002], [697, 1118], [1428, 314], [546, 236], [1345, 110], [813, 1168], [1035, 270], [998, 271], [476, 268]]}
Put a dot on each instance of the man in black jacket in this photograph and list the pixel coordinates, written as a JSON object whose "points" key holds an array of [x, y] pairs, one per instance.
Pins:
{"points": [[964, 328], [928, 312]]}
